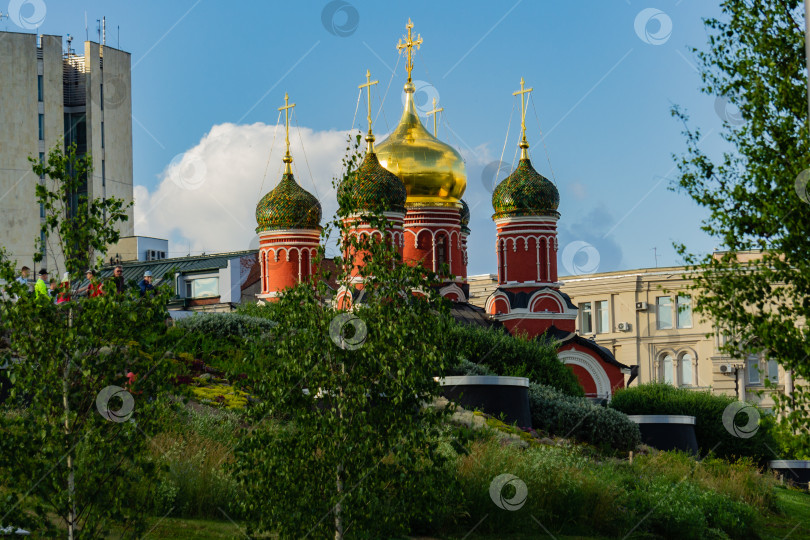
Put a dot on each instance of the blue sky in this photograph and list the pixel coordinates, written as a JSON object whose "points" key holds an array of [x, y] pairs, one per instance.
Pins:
{"points": [[602, 95]]}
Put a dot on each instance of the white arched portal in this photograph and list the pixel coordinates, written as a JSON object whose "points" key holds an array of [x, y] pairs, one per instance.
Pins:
{"points": [[590, 365]]}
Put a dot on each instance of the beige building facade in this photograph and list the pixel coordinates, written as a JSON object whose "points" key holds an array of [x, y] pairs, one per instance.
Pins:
{"points": [[646, 318], [51, 96]]}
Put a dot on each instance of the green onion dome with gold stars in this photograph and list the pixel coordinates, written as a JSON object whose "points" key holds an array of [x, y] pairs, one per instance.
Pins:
{"points": [[465, 215], [288, 206], [525, 192], [372, 188]]}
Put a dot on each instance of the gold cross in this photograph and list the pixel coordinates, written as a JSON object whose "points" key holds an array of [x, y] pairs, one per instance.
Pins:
{"points": [[409, 45], [433, 112], [368, 85], [524, 144], [286, 108]]}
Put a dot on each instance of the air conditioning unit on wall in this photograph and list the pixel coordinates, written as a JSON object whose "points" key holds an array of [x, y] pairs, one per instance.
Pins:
{"points": [[641, 306], [624, 326], [726, 368]]}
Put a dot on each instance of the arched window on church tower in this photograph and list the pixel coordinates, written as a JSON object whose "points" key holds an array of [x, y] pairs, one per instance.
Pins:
{"points": [[306, 267], [501, 262], [442, 252]]}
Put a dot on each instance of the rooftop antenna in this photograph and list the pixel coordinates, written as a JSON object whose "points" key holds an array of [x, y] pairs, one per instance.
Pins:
{"points": [[104, 30], [69, 42], [86, 31], [98, 29], [655, 254]]}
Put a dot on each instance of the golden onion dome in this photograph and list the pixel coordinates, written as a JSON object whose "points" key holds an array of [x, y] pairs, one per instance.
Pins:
{"points": [[432, 171]]}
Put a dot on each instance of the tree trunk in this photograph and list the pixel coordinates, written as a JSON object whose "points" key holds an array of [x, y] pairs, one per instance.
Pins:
{"points": [[338, 508], [71, 521]]}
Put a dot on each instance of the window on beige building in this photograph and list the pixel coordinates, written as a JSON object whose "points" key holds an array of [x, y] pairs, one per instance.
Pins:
{"points": [[752, 370], [663, 311], [586, 320], [667, 371], [756, 367], [686, 366], [684, 306], [773, 371], [602, 317]]}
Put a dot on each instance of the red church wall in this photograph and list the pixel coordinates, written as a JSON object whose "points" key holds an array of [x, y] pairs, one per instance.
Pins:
{"points": [[530, 327], [286, 257], [546, 304], [521, 263], [356, 227], [284, 273], [585, 380], [499, 306], [614, 373], [526, 248], [433, 237]]}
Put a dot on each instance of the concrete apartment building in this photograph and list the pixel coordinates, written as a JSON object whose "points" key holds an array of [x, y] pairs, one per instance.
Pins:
{"points": [[51, 95], [645, 318]]}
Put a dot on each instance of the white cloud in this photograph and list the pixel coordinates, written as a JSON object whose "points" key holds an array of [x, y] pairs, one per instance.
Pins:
{"points": [[207, 196]]}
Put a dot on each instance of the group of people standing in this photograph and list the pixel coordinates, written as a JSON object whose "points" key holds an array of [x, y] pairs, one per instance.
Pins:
{"points": [[61, 292]]}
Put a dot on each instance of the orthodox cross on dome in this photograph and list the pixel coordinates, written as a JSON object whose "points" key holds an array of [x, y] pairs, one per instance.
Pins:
{"points": [[524, 144], [434, 113], [409, 45], [286, 108], [367, 86]]}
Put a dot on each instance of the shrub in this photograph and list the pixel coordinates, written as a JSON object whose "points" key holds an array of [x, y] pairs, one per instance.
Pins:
{"points": [[191, 455], [465, 367], [661, 398], [576, 417], [740, 480], [514, 355], [570, 493], [225, 325]]}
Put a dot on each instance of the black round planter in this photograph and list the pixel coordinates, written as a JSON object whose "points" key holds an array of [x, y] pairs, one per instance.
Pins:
{"points": [[667, 431], [793, 471], [494, 395]]}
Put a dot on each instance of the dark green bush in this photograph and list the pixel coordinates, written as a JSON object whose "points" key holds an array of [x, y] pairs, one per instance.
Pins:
{"points": [[707, 408], [578, 418], [515, 356], [465, 367]]}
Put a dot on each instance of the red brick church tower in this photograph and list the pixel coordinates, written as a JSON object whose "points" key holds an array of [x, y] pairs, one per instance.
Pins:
{"points": [[289, 229], [528, 299], [370, 190]]}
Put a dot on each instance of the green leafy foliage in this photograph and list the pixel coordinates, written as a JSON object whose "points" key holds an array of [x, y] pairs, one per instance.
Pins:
{"points": [[190, 453], [514, 355], [707, 408], [756, 193], [567, 416], [76, 223], [60, 457]]}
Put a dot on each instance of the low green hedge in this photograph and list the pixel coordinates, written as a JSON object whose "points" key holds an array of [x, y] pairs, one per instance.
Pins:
{"points": [[226, 325], [578, 418], [707, 408], [514, 356]]}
